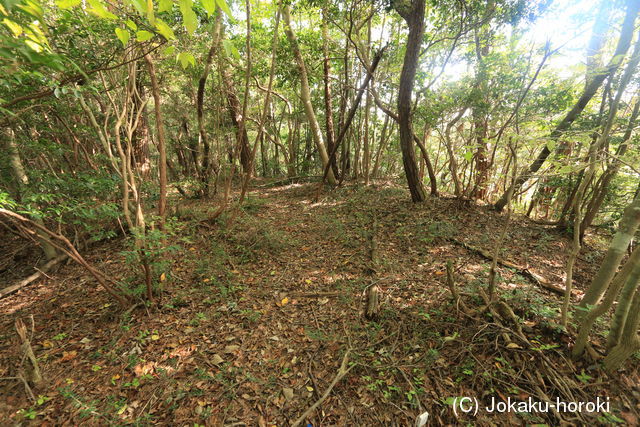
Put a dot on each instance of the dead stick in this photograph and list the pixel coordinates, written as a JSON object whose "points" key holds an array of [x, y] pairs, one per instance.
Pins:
{"points": [[341, 373], [27, 350]]}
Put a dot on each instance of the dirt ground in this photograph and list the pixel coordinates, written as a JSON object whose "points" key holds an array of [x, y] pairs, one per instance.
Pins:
{"points": [[259, 309]]}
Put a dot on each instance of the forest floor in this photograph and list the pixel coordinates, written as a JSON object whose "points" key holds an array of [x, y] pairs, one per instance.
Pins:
{"points": [[258, 313]]}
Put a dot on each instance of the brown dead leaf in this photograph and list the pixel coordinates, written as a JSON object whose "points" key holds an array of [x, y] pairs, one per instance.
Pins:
{"points": [[68, 355]]}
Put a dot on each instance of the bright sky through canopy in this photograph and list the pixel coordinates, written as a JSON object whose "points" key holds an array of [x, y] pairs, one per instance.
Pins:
{"points": [[566, 24]]}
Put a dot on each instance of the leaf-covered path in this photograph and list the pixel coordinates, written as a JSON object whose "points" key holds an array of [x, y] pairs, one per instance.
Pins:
{"points": [[262, 305]]}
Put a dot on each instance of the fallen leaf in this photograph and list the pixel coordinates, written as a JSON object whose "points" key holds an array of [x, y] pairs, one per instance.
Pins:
{"points": [[231, 348], [287, 393], [68, 355]]}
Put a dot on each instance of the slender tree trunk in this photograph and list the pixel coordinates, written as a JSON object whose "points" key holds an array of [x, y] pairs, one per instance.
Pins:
{"points": [[612, 170], [204, 139], [162, 161], [629, 342], [453, 163], [305, 94], [267, 99], [621, 315], [328, 98], [414, 16], [366, 150], [480, 109], [598, 39], [631, 268], [626, 230], [141, 137], [381, 146]]}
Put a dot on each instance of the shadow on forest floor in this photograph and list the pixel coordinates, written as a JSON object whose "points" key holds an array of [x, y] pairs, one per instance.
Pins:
{"points": [[257, 314]]}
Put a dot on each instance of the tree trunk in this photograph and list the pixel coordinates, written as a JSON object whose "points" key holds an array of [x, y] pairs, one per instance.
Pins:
{"points": [[629, 342], [235, 114], [162, 161], [414, 16], [612, 170], [620, 317], [140, 139], [610, 173], [480, 107], [204, 140], [328, 98], [631, 267], [617, 249], [305, 94], [381, 146]]}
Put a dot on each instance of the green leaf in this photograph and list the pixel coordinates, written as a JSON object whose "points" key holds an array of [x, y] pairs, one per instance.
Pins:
{"points": [[32, 8], [143, 36], [164, 29], [188, 15], [230, 49], [15, 28], [209, 6], [551, 145], [123, 36], [98, 9], [185, 59], [132, 25], [169, 50], [565, 169], [164, 5], [222, 4], [150, 16], [140, 6], [67, 4]]}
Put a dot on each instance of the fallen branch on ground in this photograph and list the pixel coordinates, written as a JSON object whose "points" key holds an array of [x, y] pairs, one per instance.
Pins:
{"points": [[35, 276], [525, 271], [341, 373], [29, 229]]}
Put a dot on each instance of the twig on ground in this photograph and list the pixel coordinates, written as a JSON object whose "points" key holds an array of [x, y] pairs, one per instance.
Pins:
{"points": [[344, 370]]}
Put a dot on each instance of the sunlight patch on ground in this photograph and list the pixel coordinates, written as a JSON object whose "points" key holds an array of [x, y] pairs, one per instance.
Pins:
{"points": [[325, 203], [283, 188]]}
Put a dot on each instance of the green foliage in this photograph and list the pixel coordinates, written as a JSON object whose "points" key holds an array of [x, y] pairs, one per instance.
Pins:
{"points": [[150, 247]]}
